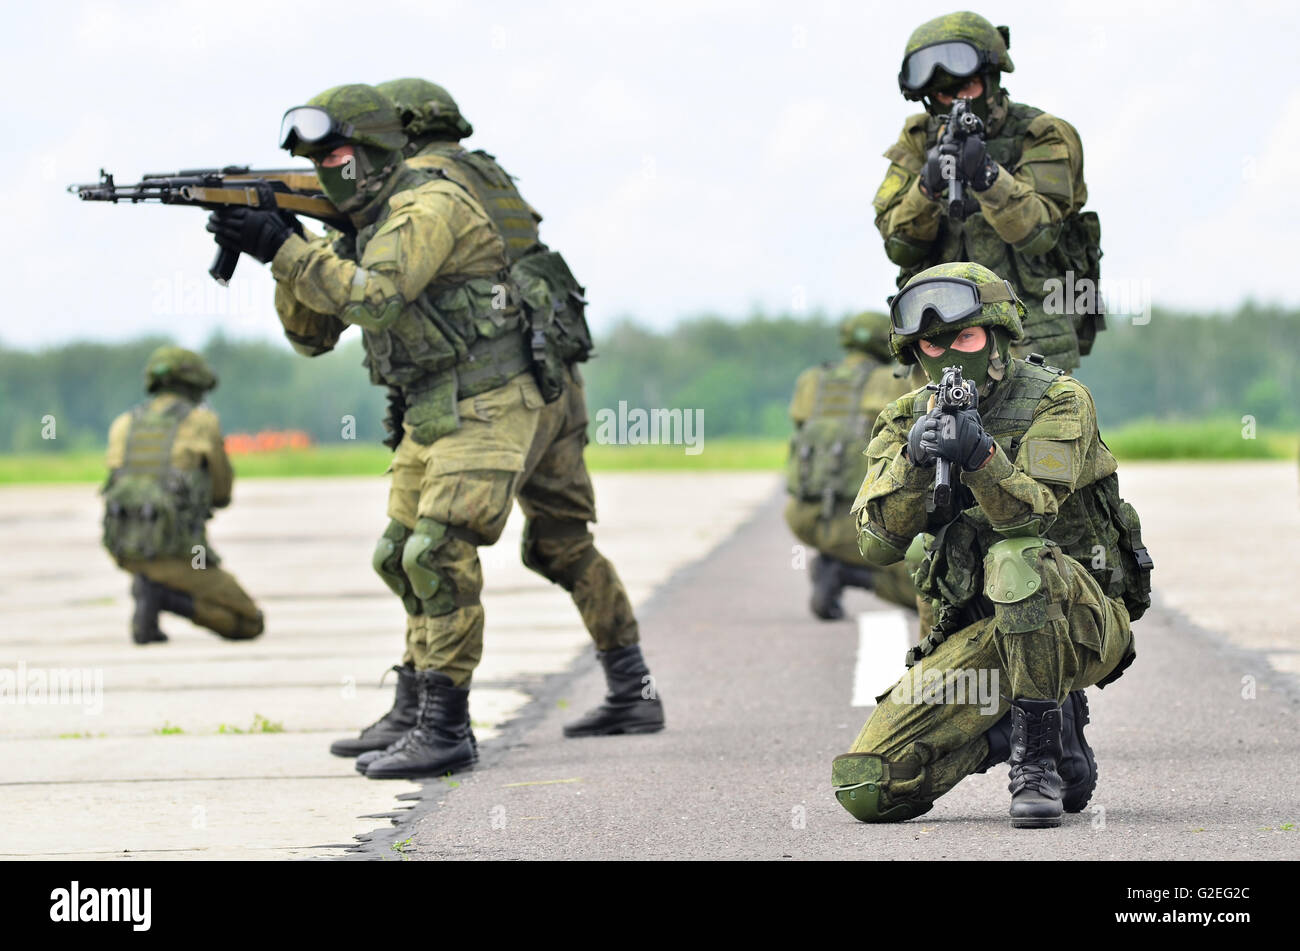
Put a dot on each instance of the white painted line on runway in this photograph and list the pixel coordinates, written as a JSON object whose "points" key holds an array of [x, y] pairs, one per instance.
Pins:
{"points": [[884, 638]]}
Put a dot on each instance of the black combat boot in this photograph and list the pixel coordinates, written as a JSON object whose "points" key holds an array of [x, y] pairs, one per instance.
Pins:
{"points": [[439, 743], [857, 576], [148, 602], [365, 759], [827, 587], [386, 730], [1035, 756], [631, 701], [1078, 767]]}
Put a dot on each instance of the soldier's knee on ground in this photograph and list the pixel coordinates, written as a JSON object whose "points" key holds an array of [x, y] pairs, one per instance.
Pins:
{"points": [[559, 550], [387, 561], [875, 790], [441, 567]]}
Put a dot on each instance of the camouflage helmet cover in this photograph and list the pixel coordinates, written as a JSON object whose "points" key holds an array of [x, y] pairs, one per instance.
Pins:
{"points": [[426, 109], [867, 332], [369, 117], [1004, 314], [170, 365], [992, 41]]}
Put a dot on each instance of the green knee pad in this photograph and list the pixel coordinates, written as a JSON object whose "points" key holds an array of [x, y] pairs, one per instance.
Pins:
{"points": [[877, 552], [387, 561], [858, 779], [1013, 582], [429, 584]]}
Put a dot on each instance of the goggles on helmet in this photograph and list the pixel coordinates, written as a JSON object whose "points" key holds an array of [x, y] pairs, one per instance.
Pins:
{"points": [[955, 57], [949, 298], [309, 124]]}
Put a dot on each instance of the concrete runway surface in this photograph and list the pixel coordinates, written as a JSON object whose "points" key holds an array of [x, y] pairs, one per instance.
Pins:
{"points": [[1197, 744]]}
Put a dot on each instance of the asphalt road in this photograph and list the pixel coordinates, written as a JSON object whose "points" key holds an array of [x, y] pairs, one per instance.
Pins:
{"points": [[1197, 747]]}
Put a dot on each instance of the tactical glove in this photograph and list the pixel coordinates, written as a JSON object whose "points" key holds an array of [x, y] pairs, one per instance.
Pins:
{"points": [[933, 181], [960, 438], [921, 441], [976, 163], [254, 231]]}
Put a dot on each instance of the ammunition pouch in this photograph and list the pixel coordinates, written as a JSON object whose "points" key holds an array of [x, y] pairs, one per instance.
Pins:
{"points": [[554, 308]]}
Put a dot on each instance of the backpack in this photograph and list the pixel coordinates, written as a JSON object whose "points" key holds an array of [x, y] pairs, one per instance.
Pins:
{"points": [[151, 509], [826, 462], [554, 310]]}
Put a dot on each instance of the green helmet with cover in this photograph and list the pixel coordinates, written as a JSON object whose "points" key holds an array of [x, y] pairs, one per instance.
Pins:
{"points": [[940, 302], [942, 54], [172, 367], [867, 332], [356, 115], [427, 110]]}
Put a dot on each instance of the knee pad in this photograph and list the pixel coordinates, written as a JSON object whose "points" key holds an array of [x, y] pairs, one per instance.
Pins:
{"points": [[859, 779], [430, 584], [558, 549], [1013, 581], [387, 561]]}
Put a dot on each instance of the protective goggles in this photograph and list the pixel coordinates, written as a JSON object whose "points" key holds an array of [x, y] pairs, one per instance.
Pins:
{"points": [[309, 124], [949, 298], [957, 58]]}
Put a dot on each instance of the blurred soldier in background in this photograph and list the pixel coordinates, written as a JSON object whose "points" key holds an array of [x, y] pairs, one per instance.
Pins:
{"points": [[833, 409], [471, 353], [167, 471], [1024, 188]]}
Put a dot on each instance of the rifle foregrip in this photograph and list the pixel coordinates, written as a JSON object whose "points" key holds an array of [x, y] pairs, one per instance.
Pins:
{"points": [[942, 482], [223, 265]]}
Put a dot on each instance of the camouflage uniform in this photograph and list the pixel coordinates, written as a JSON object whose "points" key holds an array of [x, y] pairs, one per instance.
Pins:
{"points": [[1026, 226], [426, 278], [1033, 572], [175, 440], [833, 408]]}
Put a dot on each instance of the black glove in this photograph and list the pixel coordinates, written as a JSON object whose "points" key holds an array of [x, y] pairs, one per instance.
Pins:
{"points": [[933, 181], [253, 231], [921, 441], [976, 163], [960, 438]]}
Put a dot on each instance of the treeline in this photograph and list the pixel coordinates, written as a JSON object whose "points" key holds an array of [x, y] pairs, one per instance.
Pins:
{"points": [[739, 373]]}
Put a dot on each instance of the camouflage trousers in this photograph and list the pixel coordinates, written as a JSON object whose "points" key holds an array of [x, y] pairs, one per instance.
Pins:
{"points": [[929, 727], [838, 538], [510, 445], [220, 604]]}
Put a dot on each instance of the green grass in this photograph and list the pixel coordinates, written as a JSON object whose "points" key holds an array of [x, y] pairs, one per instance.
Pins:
{"points": [[1147, 440]]}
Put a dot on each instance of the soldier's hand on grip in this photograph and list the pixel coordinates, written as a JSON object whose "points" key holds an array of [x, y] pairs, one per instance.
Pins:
{"points": [[976, 165], [933, 180], [252, 230], [960, 438]]}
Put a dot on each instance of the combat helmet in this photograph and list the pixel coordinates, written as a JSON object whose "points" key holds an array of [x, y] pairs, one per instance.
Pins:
{"points": [[943, 53], [357, 115], [428, 112], [175, 368], [945, 299], [867, 332]]}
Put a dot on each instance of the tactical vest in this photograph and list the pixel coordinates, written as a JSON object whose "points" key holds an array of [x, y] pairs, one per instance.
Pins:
{"points": [[1093, 525], [826, 463], [1078, 249], [514, 219], [459, 337], [153, 510]]}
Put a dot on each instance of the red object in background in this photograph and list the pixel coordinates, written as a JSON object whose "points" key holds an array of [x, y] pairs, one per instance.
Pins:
{"points": [[268, 440]]}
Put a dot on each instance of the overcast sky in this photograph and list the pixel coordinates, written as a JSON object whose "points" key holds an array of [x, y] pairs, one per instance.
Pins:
{"points": [[688, 157]]}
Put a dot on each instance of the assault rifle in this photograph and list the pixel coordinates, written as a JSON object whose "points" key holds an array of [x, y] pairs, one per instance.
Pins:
{"points": [[293, 189], [962, 123], [952, 395]]}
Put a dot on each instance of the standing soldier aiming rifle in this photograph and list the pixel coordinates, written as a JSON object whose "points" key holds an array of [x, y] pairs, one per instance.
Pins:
{"points": [[1034, 566], [426, 278], [167, 471], [978, 177]]}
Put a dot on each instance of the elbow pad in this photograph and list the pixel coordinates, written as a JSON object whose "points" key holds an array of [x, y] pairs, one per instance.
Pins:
{"points": [[1039, 241], [307, 346], [878, 552], [363, 312], [905, 253]]}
